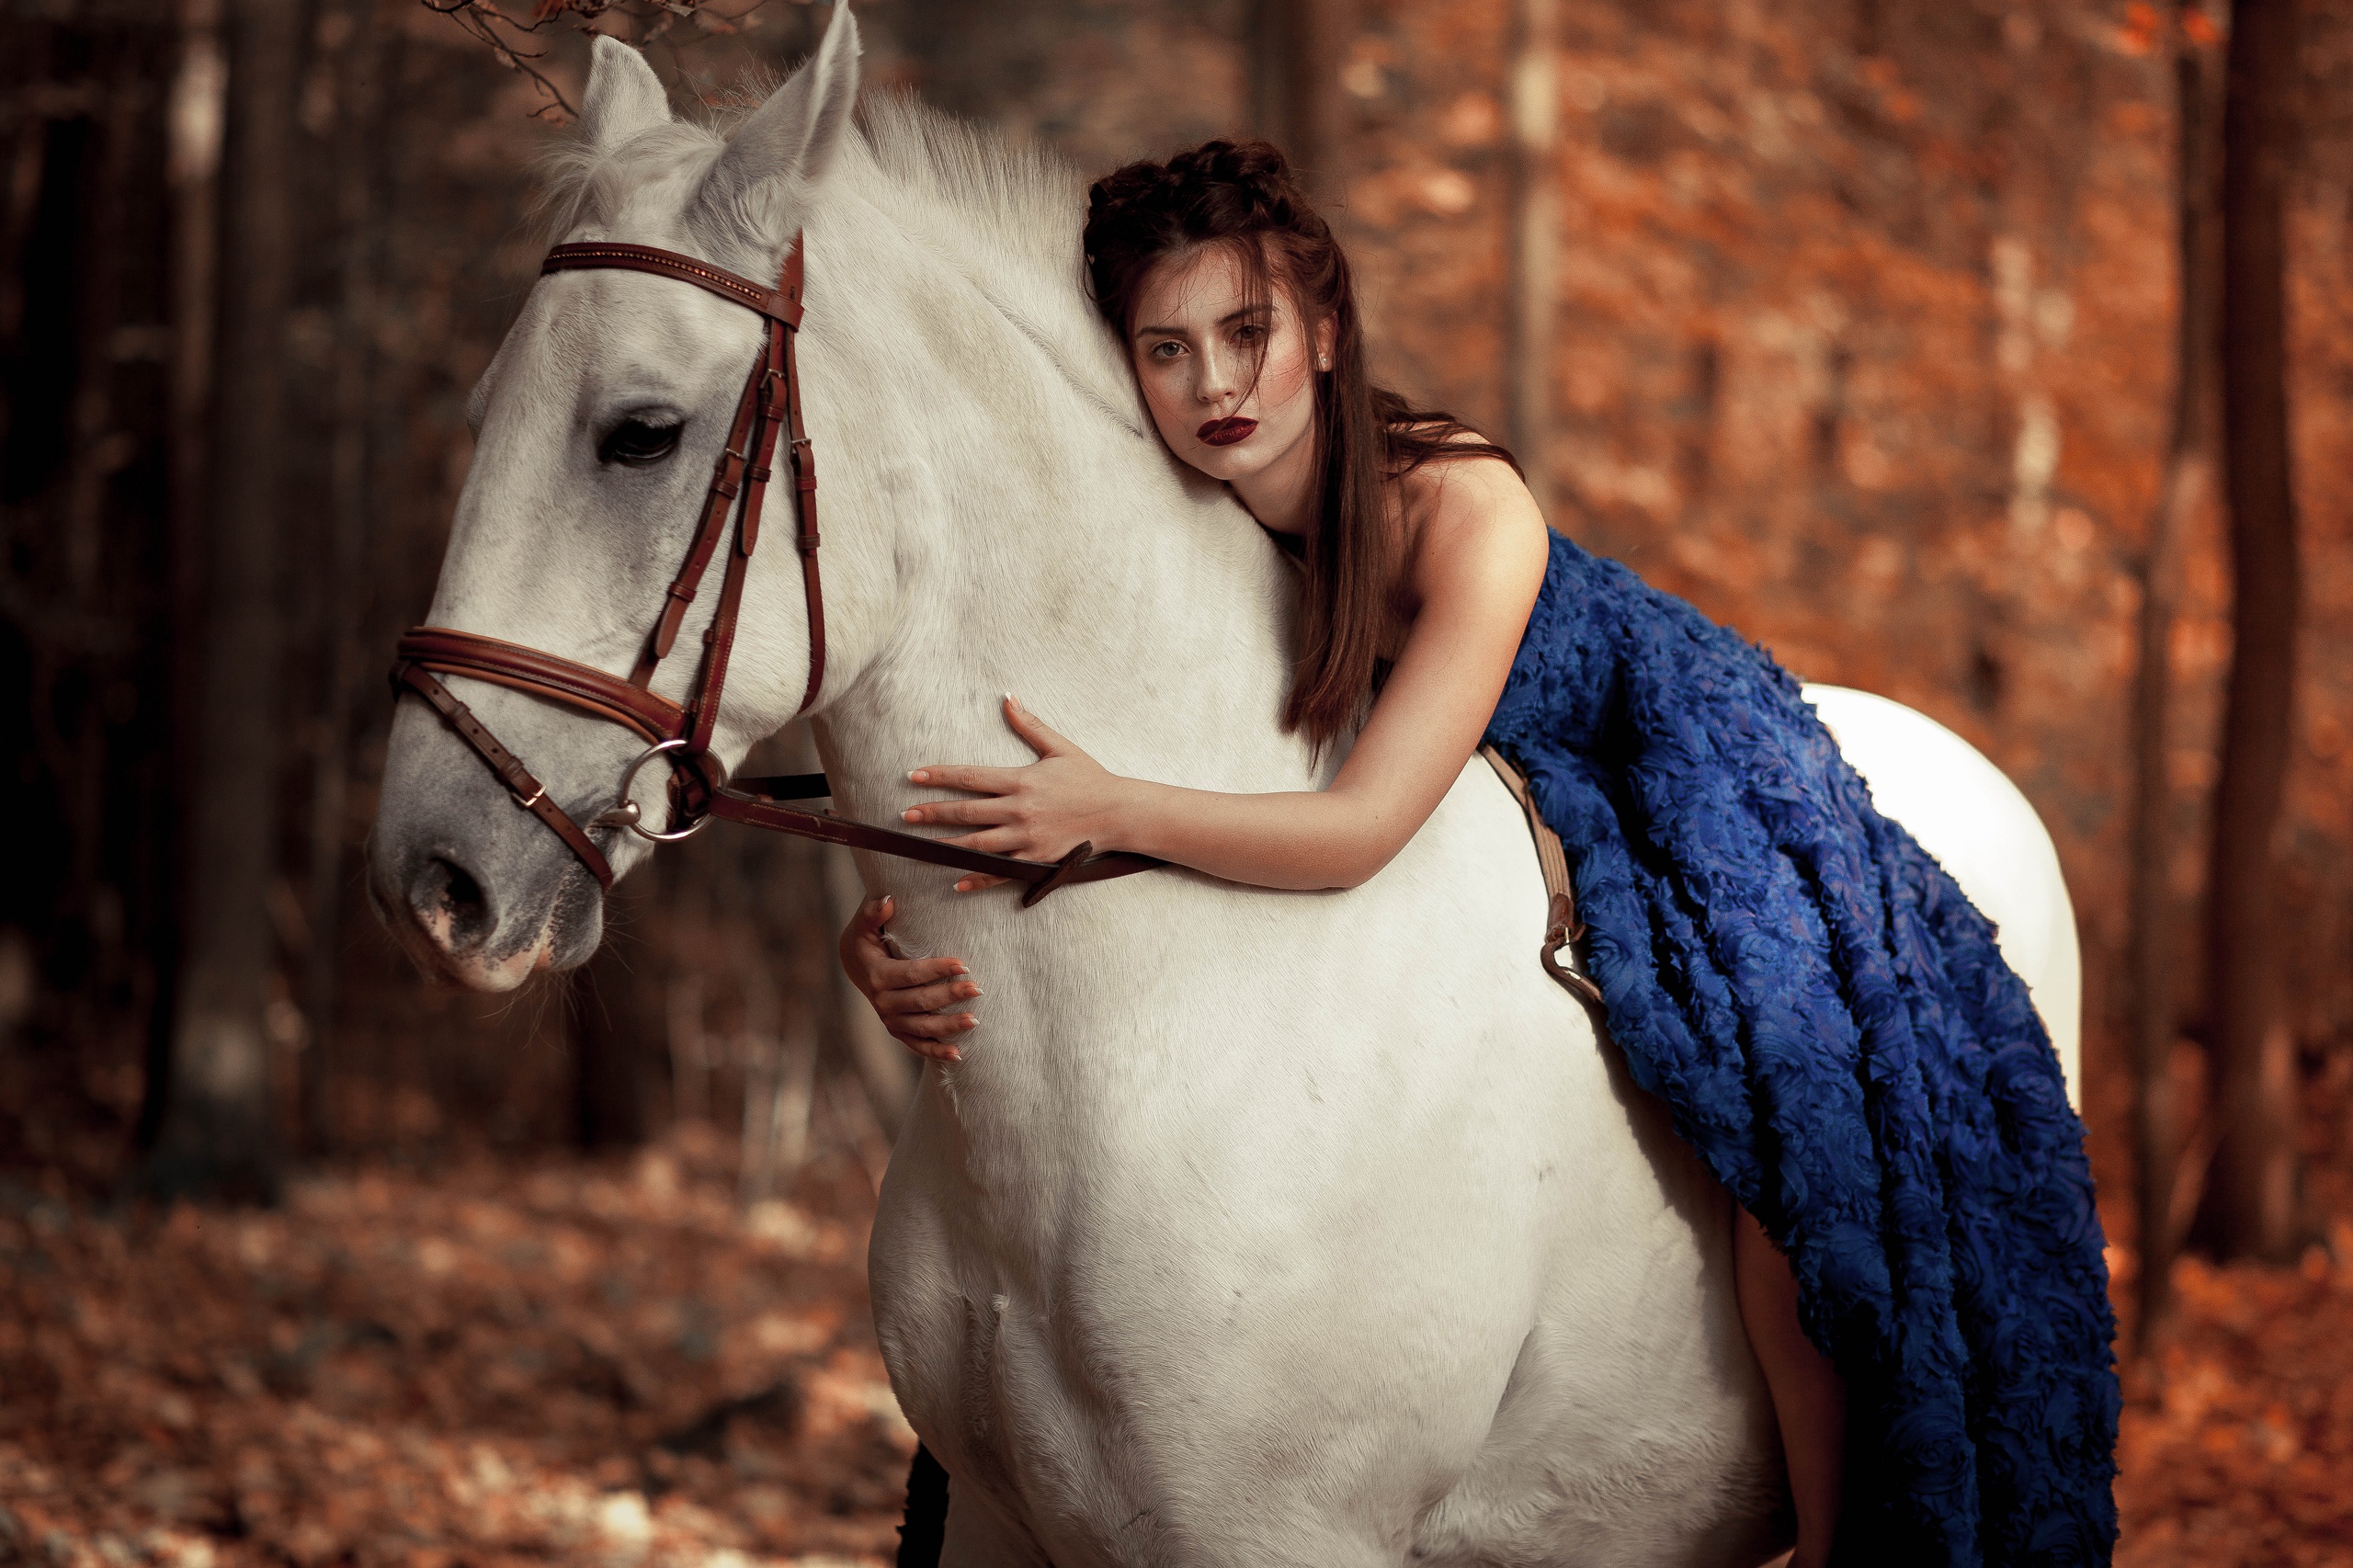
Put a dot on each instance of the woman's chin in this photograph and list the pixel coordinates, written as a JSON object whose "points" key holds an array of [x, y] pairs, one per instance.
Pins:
{"points": [[1218, 462], [1235, 460]]}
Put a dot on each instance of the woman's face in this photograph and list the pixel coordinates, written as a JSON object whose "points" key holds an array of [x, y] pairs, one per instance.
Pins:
{"points": [[1231, 385]]}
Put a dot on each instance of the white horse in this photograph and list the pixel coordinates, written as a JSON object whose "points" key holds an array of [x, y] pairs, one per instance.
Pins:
{"points": [[1256, 1227]]}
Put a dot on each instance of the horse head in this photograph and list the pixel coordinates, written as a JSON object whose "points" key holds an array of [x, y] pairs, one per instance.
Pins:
{"points": [[597, 425]]}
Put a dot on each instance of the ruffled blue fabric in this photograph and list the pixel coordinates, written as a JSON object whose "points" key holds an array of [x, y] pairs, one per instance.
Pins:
{"points": [[1835, 1033]]}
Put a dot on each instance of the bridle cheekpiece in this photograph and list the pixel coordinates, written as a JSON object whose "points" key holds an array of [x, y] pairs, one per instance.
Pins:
{"points": [[769, 409]]}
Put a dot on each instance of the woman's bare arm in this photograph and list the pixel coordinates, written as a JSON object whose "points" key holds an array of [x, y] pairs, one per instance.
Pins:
{"points": [[1478, 560]]}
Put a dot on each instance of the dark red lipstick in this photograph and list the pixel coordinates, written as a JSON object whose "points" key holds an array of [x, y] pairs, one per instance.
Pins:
{"points": [[1224, 432]]}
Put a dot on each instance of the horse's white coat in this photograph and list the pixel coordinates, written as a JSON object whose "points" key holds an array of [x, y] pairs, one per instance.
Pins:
{"points": [[1978, 825], [1256, 1227]]}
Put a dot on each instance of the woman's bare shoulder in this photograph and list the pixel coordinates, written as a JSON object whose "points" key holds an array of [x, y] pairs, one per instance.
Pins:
{"points": [[1475, 505]]}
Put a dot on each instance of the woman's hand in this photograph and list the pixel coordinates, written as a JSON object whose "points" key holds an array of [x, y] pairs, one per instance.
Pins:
{"points": [[907, 995], [1038, 812]]}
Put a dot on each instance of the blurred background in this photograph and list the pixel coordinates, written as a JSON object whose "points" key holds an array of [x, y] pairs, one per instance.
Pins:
{"points": [[1996, 356]]}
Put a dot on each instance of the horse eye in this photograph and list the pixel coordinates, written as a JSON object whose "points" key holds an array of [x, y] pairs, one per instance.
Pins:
{"points": [[638, 444]]}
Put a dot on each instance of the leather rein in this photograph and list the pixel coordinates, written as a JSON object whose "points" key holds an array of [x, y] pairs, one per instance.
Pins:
{"points": [[769, 409]]}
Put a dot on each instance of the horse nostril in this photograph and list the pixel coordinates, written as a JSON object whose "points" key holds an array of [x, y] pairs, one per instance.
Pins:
{"points": [[450, 904]]}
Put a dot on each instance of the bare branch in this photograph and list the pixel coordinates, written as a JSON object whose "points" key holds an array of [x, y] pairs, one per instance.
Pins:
{"points": [[486, 22]]}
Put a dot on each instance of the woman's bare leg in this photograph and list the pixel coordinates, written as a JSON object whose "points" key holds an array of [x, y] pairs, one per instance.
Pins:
{"points": [[1809, 1398]]}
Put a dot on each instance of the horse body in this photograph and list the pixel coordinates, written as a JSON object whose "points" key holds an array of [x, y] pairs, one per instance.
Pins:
{"points": [[1247, 1212], [1298, 1216], [1981, 828], [1256, 1227]]}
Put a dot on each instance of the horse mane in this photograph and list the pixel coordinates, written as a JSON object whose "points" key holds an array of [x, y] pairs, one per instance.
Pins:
{"points": [[1004, 215], [974, 188], [1007, 216]]}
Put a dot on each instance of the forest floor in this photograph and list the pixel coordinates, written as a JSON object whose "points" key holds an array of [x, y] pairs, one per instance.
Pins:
{"points": [[601, 1362], [559, 1360], [2237, 1444]]}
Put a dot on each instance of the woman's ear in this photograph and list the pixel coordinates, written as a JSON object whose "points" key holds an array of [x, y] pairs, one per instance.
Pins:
{"points": [[1327, 332]]}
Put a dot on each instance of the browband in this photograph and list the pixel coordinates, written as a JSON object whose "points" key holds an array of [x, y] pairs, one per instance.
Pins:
{"points": [[781, 303]]}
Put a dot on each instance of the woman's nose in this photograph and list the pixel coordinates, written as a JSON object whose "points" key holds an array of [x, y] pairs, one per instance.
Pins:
{"points": [[1216, 383]]}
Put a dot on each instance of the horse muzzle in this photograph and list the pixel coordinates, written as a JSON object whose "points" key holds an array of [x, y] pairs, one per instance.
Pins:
{"points": [[473, 888]]}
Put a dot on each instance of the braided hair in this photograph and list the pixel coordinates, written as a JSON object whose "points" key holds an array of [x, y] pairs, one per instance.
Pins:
{"points": [[1242, 195]]}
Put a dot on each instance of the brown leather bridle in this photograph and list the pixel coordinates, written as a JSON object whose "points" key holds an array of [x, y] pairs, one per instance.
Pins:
{"points": [[700, 789]]}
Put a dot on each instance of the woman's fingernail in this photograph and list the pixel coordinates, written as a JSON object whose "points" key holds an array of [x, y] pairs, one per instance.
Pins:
{"points": [[919, 777], [974, 989], [968, 1021], [1012, 700], [954, 1056], [910, 814]]}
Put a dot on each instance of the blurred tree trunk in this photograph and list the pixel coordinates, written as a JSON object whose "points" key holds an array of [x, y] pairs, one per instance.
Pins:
{"points": [[2250, 1208], [609, 1073], [1536, 236], [192, 166], [614, 1023], [780, 1051], [342, 621], [219, 1128], [1296, 49], [787, 966], [2189, 467]]}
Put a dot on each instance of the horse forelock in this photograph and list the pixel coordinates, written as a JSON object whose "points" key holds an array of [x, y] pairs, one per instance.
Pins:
{"points": [[586, 185]]}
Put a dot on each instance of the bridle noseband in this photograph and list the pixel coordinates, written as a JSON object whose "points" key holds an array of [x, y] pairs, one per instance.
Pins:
{"points": [[768, 409]]}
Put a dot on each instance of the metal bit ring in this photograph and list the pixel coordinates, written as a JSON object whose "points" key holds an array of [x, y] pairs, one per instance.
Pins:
{"points": [[625, 813]]}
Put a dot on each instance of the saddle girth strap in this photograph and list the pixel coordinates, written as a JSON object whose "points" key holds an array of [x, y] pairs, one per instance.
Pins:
{"points": [[1563, 929]]}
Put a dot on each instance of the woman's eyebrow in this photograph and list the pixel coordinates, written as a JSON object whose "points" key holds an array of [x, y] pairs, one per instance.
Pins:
{"points": [[1226, 320]]}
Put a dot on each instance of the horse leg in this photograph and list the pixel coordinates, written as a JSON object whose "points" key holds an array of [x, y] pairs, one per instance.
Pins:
{"points": [[924, 1527], [977, 1536]]}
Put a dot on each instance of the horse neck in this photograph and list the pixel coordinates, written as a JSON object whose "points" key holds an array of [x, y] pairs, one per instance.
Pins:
{"points": [[1043, 545]]}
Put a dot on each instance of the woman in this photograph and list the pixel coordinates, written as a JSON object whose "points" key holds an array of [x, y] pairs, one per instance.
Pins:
{"points": [[1423, 560]]}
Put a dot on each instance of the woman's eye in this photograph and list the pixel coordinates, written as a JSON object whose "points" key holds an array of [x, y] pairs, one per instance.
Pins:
{"points": [[1165, 350], [638, 444], [1249, 334]]}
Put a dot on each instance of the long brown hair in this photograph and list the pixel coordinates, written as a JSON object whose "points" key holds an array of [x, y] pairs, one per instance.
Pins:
{"points": [[1242, 194]]}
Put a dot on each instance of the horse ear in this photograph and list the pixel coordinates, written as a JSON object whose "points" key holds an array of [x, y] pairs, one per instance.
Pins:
{"points": [[624, 96], [785, 144]]}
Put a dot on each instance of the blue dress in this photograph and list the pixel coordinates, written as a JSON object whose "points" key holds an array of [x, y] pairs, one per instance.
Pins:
{"points": [[1834, 1032]]}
